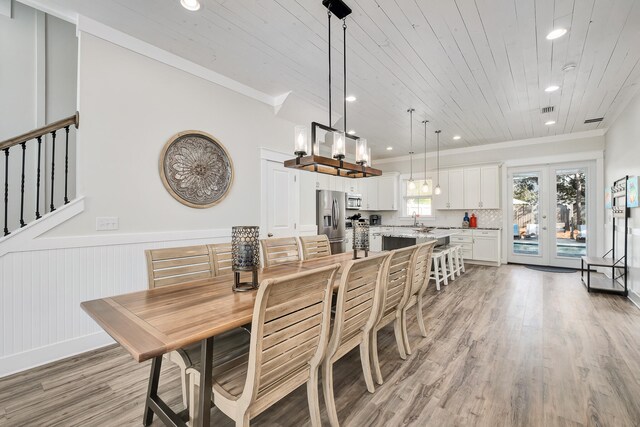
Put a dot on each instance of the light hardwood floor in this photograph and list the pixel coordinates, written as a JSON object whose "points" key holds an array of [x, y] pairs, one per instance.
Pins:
{"points": [[507, 346]]}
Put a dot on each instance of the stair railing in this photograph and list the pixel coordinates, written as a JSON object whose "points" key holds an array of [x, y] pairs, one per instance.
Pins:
{"points": [[37, 134]]}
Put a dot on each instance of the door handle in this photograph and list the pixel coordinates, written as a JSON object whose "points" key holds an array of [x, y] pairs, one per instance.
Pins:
{"points": [[270, 235], [544, 228]]}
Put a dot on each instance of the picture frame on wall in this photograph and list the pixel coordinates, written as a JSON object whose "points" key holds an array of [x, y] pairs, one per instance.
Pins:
{"points": [[632, 192]]}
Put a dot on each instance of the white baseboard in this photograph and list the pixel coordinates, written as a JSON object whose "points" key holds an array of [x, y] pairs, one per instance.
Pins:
{"points": [[635, 298], [61, 350]]}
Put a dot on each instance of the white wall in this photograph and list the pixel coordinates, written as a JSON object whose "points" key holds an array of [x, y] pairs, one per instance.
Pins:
{"points": [[622, 151], [130, 105], [534, 151]]}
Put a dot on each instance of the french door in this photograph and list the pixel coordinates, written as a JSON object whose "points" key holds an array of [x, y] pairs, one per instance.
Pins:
{"points": [[552, 208]]}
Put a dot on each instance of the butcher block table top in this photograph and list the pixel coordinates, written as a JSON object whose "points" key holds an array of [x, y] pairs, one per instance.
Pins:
{"points": [[153, 322]]}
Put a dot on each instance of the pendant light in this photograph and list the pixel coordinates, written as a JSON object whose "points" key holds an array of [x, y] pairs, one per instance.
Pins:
{"points": [[425, 186], [306, 149], [438, 190], [412, 184]]}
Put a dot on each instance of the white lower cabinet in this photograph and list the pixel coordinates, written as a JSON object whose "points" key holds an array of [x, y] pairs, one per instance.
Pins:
{"points": [[479, 245]]}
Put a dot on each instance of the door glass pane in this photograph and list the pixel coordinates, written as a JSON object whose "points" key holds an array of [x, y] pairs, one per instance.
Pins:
{"points": [[571, 213], [526, 229]]}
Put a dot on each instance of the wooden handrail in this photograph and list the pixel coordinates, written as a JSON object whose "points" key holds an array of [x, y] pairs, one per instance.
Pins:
{"points": [[60, 124]]}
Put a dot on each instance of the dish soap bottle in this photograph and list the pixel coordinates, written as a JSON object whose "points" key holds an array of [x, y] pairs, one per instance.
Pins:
{"points": [[473, 221], [465, 220]]}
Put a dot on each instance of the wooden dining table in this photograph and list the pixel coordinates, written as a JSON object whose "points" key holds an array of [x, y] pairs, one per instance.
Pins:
{"points": [[153, 322]]}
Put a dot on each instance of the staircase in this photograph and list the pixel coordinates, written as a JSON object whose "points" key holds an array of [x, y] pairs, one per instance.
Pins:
{"points": [[33, 145]]}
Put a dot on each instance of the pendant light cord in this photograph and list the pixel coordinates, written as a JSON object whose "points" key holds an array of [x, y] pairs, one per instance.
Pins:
{"points": [[344, 48], [438, 139], [425, 149], [410, 111], [329, 42]]}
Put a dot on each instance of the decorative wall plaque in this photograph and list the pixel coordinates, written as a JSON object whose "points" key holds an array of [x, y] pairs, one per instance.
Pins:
{"points": [[196, 169]]}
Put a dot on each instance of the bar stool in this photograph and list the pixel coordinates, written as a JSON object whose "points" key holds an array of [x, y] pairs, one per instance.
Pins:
{"points": [[457, 260], [439, 267], [450, 258]]}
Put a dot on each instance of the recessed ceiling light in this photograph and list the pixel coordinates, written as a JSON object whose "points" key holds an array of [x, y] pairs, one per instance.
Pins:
{"points": [[352, 132], [552, 88], [568, 67], [457, 137], [351, 98], [558, 32], [550, 122], [389, 148], [191, 5]]}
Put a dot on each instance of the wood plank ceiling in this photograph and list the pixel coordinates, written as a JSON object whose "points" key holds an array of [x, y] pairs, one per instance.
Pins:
{"points": [[474, 68]]}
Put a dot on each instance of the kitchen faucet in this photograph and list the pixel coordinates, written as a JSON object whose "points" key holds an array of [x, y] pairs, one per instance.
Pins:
{"points": [[414, 215]]}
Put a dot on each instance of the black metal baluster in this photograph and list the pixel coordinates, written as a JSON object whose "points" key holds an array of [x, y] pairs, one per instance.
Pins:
{"points": [[38, 181], [6, 191], [53, 168], [66, 164], [22, 223]]}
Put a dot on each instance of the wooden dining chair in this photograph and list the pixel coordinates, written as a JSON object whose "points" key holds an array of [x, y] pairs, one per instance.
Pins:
{"points": [[280, 250], [354, 317], [396, 277], [315, 246], [414, 293], [290, 328], [172, 266], [221, 257]]}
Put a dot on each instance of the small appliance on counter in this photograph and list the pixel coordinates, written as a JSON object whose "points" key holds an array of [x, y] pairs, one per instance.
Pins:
{"points": [[473, 221], [375, 220]]}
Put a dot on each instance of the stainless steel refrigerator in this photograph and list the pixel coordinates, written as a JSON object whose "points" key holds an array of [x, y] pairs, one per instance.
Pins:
{"points": [[330, 217]]}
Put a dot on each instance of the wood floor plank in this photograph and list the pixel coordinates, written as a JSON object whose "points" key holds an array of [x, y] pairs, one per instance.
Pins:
{"points": [[506, 346]]}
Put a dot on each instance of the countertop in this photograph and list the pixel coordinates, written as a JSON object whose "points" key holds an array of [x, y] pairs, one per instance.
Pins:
{"points": [[411, 234], [439, 228]]}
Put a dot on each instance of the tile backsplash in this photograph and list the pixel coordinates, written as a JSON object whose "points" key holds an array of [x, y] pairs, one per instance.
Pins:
{"points": [[453, 218]]}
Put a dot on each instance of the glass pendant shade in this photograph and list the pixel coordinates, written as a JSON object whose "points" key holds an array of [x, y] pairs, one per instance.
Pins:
{"points": [[412, 184], [361, 151], [425, 187], [301, 141], [437, 191], [369, 157], [338, 147]]}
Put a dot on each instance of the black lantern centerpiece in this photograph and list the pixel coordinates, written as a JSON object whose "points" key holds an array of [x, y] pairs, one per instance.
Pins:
{"points": [[245, 256], [360, 238]]}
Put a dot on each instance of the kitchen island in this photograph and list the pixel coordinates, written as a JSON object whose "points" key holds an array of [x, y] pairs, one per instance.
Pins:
{"points": [[399, 238]]}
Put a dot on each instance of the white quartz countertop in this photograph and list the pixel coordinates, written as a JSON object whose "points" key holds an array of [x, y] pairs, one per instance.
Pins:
{"points": [[412, 234]]}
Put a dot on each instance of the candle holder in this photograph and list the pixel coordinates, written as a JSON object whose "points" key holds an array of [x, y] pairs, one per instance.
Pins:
{"points": [[245, 256], [360, 239]]}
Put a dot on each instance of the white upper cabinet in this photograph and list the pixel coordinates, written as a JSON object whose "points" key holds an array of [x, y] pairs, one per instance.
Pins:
{"points": [[387, 192], [490, 187], [323, 181], [451, 184], [352, 185], [476, 187], [472, 188], [456, 189], [441, 201]]}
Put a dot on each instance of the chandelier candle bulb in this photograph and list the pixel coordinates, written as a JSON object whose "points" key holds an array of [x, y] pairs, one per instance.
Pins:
{"points": [[338, 146], [361, 151], [301, 141]]}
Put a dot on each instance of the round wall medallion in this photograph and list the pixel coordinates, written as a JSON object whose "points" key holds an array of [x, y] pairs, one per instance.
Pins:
{"points": [[196, 169]]}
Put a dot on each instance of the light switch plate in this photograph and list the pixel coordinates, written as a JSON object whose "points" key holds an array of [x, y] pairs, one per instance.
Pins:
{"points": [[107, 223]]}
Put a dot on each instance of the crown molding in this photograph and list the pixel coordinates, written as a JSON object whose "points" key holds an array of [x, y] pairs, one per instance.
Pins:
{"points": [[503, 145]]}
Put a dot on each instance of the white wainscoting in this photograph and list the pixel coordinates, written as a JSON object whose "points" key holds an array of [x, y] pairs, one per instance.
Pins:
{"points": [[41, 290]]}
